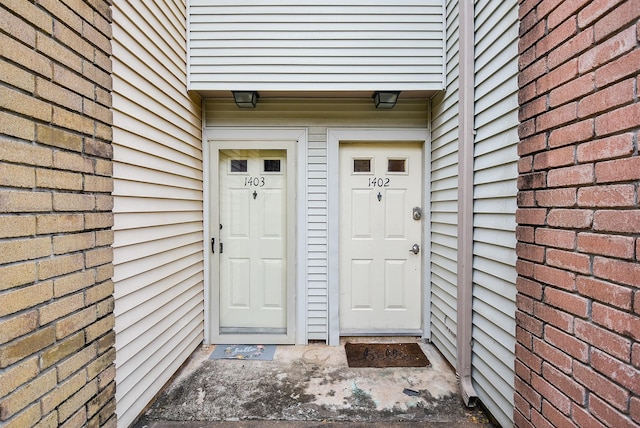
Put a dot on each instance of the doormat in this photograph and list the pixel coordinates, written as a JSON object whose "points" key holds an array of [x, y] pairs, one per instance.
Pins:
{"points": [[380, 355], [243, 352]]}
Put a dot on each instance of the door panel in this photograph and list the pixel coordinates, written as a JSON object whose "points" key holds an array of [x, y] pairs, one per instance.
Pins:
{"points": [[361, 297], [394, 278], [253, 241], [394, 220], [361, 214], [380, 279]]}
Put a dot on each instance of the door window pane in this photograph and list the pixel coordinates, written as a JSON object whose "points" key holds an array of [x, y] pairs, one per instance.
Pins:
{"points": [[272, 165], [362, 165], [397, 165], [238, 165]]}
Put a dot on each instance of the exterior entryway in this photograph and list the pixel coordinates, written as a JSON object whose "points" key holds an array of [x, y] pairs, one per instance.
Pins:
{"points": [[311, 386], [380, 238], [252, 248]]}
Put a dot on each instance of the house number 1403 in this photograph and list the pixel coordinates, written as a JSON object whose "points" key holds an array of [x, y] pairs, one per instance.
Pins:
{"points": [[378, 182], [254, 181]]}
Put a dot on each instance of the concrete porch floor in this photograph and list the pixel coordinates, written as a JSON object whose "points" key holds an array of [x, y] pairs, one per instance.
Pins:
{"points": [[311, 386]]}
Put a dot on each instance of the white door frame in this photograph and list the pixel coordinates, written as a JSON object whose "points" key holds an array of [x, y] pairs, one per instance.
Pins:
{"points": [[296, 302], [373, 135]]}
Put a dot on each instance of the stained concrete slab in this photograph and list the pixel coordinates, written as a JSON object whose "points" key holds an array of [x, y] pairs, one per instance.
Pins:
{"points": [[310, 386]]}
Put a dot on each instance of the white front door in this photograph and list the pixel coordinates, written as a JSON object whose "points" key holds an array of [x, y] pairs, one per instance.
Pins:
{"points": [[252, 245], [380, 238]]}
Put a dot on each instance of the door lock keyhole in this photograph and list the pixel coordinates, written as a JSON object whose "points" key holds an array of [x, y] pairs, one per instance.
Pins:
{"points": [[417, 213]]}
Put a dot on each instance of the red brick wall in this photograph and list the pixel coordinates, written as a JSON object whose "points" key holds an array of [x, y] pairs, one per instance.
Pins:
{"points": [[56, 305], [578, 303]]}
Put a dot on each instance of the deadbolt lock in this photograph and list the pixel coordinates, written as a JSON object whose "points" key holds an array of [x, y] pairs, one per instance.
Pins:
{"points": [[417, 213]]}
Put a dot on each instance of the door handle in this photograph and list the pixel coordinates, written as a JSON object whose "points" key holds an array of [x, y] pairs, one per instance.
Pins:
{"points": [[213, 246], [415, 249]]}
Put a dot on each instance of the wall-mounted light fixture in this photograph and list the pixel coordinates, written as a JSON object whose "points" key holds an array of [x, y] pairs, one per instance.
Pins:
{"points": [[385, 99], [245, 99]]}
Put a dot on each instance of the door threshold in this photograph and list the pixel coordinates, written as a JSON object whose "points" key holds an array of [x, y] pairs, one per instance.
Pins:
{"points": [[408, 332], [381, 339]]}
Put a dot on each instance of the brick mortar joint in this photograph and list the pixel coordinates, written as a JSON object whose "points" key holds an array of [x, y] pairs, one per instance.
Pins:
{"points": [[54, 62], [58, 127]]}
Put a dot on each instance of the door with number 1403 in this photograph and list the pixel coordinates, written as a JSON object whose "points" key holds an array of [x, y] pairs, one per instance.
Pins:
{"points": [[253, 241]]}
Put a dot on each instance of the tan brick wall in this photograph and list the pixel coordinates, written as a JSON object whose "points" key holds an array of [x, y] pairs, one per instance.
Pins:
{"points": [[56, 293], [578, 317]]}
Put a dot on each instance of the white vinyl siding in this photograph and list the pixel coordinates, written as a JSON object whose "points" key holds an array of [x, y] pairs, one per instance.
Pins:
{"points": [[158, 232], [317, 115], [304, 45], [495, 176], [317, 243], [444, 200]]}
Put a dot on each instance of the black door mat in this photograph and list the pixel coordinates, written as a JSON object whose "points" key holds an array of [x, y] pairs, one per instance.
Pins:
{"points": [[380, 355]]}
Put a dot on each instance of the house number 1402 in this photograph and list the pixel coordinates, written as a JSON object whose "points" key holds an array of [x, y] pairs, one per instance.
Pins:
{"points": [[254, 181], [378, 182]]}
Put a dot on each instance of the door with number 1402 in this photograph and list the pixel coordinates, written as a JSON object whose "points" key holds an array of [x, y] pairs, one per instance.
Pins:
{"points": [[380, 238]]}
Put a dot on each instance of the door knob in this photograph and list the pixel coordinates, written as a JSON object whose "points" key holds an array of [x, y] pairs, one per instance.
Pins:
{"points": [[415, 249]]}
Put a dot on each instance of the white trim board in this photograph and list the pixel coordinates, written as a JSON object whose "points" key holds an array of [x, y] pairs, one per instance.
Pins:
{"points": [[334, 137], [299, 136]]}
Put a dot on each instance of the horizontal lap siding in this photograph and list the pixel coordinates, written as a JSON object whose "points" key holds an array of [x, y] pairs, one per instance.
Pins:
{"points": [[317, 116], [317, 214], [495, 175], [158, 265], [312, 45], [444, 200]]}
